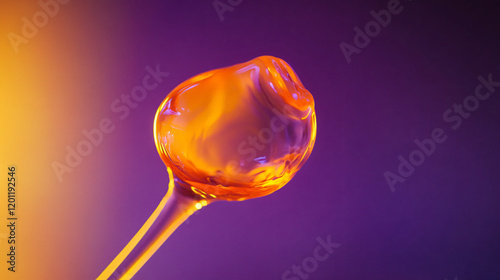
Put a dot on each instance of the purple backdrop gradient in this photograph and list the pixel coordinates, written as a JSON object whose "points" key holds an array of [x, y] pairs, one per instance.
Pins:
{"points": [[441, 223]]}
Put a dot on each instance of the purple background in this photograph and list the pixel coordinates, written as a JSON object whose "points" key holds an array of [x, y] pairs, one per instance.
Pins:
{"points": [[441, 223]]}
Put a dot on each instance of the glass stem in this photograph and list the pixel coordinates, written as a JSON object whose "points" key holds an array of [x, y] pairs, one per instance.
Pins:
{"points": [[173, 210]]}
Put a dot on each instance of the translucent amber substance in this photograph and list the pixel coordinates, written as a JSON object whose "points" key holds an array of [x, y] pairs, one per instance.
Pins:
{"points": [[237, 132]]}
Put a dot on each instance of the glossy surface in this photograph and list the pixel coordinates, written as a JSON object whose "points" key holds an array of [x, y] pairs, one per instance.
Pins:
{"points": [[237, 132]]}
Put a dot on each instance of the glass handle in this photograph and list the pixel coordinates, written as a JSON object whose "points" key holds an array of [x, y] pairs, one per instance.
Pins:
{"points": [[172, 211]]}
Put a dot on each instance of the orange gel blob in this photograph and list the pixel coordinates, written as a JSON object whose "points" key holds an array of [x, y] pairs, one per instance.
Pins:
{"points": [[237, 132]]}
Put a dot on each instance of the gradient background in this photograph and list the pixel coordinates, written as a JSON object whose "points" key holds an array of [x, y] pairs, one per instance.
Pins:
{"points": [[442, 222]]}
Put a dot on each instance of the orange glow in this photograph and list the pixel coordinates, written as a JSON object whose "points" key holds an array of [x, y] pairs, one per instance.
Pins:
{"points": [[238, 132]]}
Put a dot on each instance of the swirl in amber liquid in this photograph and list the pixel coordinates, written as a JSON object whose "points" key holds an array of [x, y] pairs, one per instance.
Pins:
{"points": [[233, 133], [238, 132]]}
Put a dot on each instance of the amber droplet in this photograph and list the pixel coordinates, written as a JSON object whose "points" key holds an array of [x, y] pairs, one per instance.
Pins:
{"points": [[237, 132]]}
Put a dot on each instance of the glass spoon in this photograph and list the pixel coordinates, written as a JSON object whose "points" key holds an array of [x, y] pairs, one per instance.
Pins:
{"points": [[233, 133]]}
